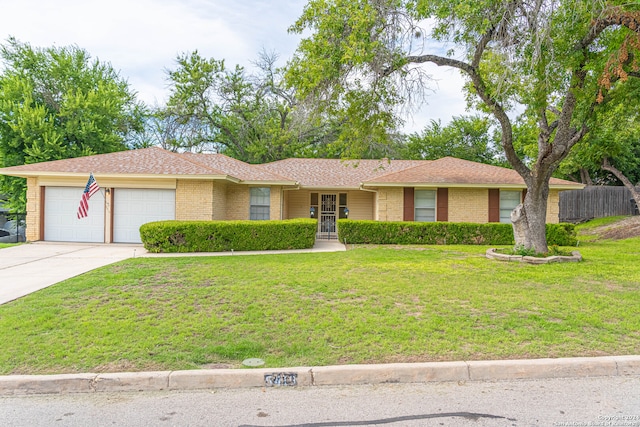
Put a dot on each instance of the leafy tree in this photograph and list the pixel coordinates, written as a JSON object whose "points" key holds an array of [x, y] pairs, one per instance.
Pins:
{"points": [[557, 60], [468, 138], [616, 141], [56, 103], [611, 151], [251, 117]]}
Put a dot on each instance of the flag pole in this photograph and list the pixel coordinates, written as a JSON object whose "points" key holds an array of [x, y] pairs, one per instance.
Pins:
{"points": [[102, 191]]}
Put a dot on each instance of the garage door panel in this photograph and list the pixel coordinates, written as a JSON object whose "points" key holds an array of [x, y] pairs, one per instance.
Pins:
{"points": [[61, 222], [134, 207]]}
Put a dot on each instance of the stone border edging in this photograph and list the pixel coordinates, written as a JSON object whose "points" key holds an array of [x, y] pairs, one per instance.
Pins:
{"points": [[492, 254], [483, 370]]}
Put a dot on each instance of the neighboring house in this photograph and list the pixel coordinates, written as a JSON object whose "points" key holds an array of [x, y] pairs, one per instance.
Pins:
{"points": [[150, 184]]}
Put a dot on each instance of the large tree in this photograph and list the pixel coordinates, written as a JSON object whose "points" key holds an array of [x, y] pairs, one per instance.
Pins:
{"points": [[465, 137], [557, 60], [57, 103], [249, 116], [610, 152]]}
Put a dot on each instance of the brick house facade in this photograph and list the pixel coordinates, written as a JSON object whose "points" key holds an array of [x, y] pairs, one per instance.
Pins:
{"points": [[159, 184]]}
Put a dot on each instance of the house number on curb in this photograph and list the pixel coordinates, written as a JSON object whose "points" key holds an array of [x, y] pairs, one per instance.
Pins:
{"points": [[281, 379]]}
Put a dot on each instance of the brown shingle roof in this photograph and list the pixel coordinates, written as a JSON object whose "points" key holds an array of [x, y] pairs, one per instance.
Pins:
{"points": [[234, 167], [310, 173], [145, 161], [450, 170], [330, 173]]}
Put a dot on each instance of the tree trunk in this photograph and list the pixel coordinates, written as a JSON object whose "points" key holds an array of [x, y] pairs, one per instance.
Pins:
{"points": [[585, 178], [625, 181], [529, 219]]}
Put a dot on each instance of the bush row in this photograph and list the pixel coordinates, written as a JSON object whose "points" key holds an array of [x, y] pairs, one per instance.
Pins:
{"points": [[219, 236], [443, 233]]}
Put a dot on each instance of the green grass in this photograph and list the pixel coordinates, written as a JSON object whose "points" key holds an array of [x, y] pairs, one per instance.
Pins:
{"points": [[598, 222], [367, 305], [6, 245]]}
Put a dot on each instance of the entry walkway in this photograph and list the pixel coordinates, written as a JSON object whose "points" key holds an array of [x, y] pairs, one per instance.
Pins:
{"points": [[30, 267]]}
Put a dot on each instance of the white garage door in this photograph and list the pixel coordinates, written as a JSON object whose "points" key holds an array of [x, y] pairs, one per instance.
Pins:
{"points": [[134, 207], [61, 223]]}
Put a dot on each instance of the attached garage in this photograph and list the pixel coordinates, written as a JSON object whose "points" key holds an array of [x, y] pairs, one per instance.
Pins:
{"points": [[134, 207], [61, 223]]}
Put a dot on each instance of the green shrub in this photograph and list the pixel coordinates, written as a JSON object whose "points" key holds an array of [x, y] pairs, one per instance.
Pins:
{"points": [[442, 233], [563, 234], [220, 236]]}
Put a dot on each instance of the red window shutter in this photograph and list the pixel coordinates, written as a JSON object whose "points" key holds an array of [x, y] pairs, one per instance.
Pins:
{"points": [[408, 204], [443, 205], [494, 205]]}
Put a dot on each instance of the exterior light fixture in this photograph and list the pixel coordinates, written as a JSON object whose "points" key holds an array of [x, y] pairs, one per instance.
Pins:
{"points": [[346, 212], [313, 212]]}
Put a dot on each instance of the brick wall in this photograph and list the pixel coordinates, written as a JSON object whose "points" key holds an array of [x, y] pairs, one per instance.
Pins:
{"points": [[219, 201], [553, 207], [194, 200], [469, 205], [390, 204], [237, 207], [275, 209], [34, 203]]}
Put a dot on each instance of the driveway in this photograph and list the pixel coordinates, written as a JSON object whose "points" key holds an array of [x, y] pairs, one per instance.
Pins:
{"points": [[30, 267]]}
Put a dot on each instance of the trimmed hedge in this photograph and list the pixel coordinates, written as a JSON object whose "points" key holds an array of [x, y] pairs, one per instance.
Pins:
{"points": [[220, 236], [443, 233]]}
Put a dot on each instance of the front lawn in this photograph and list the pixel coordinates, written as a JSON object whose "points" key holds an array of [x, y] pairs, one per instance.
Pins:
{"points": [[367, 305]]}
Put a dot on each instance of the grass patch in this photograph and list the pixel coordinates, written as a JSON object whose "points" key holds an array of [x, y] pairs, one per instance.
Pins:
{"points": [[6, 245], [367, 305], [598, 222]]}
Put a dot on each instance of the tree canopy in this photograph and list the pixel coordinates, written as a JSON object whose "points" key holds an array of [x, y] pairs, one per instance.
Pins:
{"points": [[57, 103], [558, 61], [465, 137], [253, 117]]}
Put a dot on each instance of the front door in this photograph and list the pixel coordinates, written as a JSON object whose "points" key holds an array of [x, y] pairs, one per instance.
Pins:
{"points": [[327, 222]]}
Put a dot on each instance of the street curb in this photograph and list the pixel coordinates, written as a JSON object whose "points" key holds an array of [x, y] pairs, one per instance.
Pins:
{"points": [[484, 370]]}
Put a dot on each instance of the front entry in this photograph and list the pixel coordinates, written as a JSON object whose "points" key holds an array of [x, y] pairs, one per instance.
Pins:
{"points": [[327, 220]]}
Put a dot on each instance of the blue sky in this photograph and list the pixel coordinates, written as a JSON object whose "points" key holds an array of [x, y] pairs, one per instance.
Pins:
{"points": [[141, 39]]}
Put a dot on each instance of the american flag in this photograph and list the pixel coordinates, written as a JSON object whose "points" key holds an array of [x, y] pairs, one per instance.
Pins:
{"points": [[91, 188]]}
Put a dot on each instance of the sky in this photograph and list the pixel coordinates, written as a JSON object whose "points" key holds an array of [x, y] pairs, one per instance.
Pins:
{"points": [[142, 38]]}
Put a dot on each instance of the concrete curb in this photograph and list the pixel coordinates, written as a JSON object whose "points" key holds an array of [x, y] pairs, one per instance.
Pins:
{"points": [[484, 370]]}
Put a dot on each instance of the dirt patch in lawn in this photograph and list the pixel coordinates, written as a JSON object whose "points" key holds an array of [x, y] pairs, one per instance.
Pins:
{"points": [[623, 229]]}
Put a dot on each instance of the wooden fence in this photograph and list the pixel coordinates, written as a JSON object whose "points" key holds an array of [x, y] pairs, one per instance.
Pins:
{"points": [[595, 202]]}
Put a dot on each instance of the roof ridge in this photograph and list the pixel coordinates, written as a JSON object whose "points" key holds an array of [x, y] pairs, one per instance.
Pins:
{"points": [[183, 157], [426, 162], [249, 165]]}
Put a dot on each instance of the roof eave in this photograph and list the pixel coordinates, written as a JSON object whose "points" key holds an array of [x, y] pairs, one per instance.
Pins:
{"points": [[564, 186], [443, 185], [270, 183], [329, 187], [99, 175]]}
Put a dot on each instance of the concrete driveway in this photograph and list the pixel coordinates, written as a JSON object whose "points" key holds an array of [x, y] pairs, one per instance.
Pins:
{"points": [[33, 266]]}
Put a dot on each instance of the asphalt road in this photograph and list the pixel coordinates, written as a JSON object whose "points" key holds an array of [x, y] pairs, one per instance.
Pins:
{"points": [[602, 401]]}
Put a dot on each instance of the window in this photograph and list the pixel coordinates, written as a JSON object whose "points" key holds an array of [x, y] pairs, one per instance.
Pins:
{"points": [[314, 213], [425, 205], [342, 205], [508, 202], [259, 200]]}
